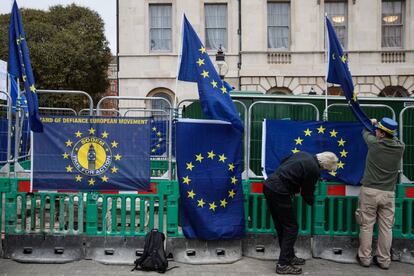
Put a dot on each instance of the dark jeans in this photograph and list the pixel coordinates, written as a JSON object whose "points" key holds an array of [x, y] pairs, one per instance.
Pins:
{"points": [[284, 218]]}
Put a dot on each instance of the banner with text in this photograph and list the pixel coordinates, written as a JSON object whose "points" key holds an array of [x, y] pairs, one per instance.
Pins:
{"points": [[91, 153]]}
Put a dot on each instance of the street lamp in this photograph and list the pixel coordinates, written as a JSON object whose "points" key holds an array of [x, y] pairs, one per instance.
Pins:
{"points": [[221, 63]]}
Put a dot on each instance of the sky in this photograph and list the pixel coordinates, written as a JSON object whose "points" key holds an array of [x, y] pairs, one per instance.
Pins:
{"points": [[105, 8]]}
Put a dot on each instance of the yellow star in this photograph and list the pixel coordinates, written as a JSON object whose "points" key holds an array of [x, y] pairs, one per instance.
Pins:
{"points": [[190, 166], [186, 180], [341, 165], [211, 155], [91, 182], [295, 150], [69, 168], [191, 194], [333, 133], [154, 128], [308, 132], [299, 141], [212, 206], [202, 50], [343, 58], [153, 150], [158, 145], [105, 134], [223, 203], [204, 74], [223, 89], [232, 193], [32, 88], [201, 203], [104, 178], [114, 169], [341, 143], [200, 62], [231, 167], [65, 155], [159, 133], [333, 173], [199, 157], [321, 129], [118, 157], [78, 178], [354, 97], [24, 78], [333, 56], [78, 134], [114, 144], [159, 139], [68, 143], [214, 83], [91, 130], [222, 158], [233, 180], [343, 153]]}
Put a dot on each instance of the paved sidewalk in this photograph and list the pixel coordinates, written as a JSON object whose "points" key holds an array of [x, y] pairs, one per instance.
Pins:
{"points": [[246, 266]]}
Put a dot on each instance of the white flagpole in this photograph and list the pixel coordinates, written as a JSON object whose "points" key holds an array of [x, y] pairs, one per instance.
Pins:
{"points": [[325, 112]]}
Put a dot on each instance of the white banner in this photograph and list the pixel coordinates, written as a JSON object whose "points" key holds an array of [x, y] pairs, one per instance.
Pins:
{"points": [[3, 78]]}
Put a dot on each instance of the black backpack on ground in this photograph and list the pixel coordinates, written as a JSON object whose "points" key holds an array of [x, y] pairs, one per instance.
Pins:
{"points": [[153, 258]]}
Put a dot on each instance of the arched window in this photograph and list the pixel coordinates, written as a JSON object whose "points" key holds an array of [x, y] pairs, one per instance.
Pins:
{"points": [[164, 93], [394, 91], [279, 91], [160, 104]]}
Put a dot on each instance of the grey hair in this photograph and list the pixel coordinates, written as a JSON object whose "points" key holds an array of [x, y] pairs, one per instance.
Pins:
{"points": [[327, 160]]}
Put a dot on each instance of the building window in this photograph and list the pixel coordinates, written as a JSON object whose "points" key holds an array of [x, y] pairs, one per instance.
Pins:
{"points": [[337, 12], [278, 25], [394, 91], [160, 27], [113, 87], [392, 23], [216, 26], [160, 104]]}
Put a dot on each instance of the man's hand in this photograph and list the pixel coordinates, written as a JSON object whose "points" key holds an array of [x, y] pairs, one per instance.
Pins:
{"points": [[374, 121]]}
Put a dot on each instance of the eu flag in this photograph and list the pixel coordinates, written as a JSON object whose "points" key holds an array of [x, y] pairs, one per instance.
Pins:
{"points": [[92, 153], [196, 66], [20, 67], [159, 137], [338, 73], [209, 173], [282, 138]]}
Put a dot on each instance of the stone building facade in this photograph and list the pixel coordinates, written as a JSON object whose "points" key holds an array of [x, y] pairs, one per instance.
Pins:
{"points": [[271, 46]]}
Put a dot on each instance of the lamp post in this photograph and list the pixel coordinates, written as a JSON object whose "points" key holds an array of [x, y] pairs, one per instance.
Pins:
{"points": [[221, 63]]}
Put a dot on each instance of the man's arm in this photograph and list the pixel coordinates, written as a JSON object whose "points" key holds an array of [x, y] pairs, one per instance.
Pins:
{"points": [[368, 137]]}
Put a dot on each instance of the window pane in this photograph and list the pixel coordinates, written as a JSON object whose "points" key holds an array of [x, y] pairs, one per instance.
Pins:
{"points": [[160, 27], [216, 26], [337, 13], [278, 25], [392, 24]]}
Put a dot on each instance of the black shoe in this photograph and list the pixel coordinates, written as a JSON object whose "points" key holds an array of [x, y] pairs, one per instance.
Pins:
{"points": [[297, 261], [288, 269], [360, 262], [375, 260]]}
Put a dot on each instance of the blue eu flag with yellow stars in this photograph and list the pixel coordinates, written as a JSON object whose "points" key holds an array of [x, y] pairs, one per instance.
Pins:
{"points": [[196, 66], [209, 173], [158, 137], [282, 138], [19, 66], [92, 154], [338, 73]]}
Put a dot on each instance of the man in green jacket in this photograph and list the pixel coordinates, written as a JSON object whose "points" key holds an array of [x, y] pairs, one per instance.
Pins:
{"points": [[376, 198]]}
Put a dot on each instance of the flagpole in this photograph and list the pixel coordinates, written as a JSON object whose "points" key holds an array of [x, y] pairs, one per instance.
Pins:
{"points": [[325, 112]]}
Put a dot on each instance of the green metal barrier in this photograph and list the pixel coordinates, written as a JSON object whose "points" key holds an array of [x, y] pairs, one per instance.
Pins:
{"points": [[257, 215], [405, 215]]}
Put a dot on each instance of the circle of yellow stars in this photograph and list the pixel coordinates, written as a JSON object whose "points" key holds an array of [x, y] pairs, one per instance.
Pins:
{"points": [[158, 134], [333, 134], [92, 180], [206, 74], [201, 203]]}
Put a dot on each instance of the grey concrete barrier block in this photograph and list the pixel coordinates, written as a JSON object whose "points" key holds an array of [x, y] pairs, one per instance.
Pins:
{"points": [[342, 249], [114, 250], [266, 246], [403, 250], [37, 248], [204, 252]]}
